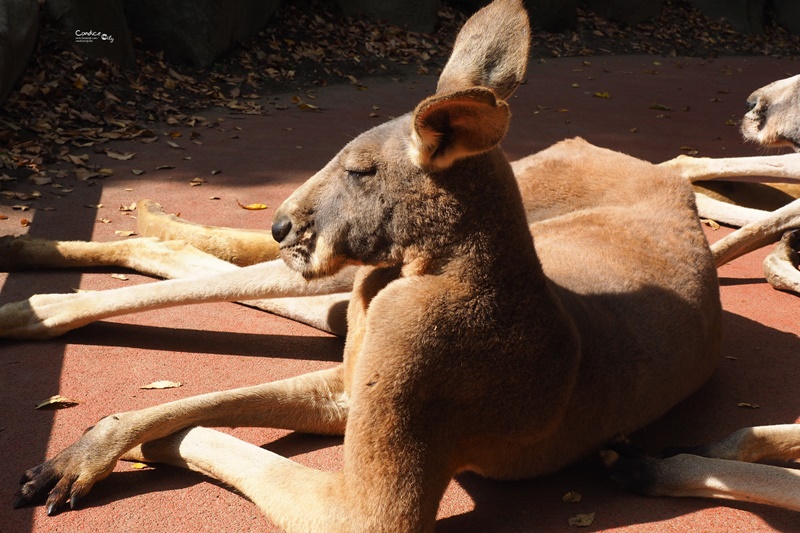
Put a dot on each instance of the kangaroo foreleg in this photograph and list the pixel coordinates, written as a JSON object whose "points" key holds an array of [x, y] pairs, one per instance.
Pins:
{"points": [[313, 402]]}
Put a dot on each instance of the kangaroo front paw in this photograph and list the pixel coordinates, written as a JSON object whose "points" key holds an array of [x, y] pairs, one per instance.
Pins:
{"points": [[65, 478]]}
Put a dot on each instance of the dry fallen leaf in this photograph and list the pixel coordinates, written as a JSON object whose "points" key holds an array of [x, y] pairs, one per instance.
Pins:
{"points": [[571, 497], [140, 466], [125, 233], [252, 207], [83, 174], [57, 402], [747, 405], [660, 107], [121, 277], [137, 171], [710, 223], [197, 182], [119, 156], [604, 95], [25, 222], [41, 180], [582, 520], [163, 384]]}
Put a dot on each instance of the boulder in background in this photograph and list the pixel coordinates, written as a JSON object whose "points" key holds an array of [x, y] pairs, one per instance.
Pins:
{"points": [[630, 12], [415, 15], [197, 31], [98, 27], [787, 14], [19, 24], [745, 16]]}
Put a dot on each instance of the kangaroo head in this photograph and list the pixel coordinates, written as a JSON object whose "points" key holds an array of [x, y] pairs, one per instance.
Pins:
{"points": [[773, 116], [401, 191]]}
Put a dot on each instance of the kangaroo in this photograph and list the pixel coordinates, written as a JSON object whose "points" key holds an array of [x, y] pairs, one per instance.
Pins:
{"points": [[772, 120], [475, 338]]}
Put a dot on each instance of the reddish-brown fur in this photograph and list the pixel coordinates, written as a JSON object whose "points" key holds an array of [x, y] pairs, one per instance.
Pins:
{"points": [[509, 341]]}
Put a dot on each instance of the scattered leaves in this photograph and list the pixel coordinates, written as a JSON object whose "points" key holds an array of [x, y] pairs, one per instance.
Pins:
{"points": [[163, 384], [125, 233], [710, 223], [746, 405], [571, 497], [121, 277], [196, 182], [56, 402], [604, 95]]}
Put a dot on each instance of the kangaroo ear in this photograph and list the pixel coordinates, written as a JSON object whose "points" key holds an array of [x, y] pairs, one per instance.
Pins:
{"points": [[451, 126], [491, 50]]}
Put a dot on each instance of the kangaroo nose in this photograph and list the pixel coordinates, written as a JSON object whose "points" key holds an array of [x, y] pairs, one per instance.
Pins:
{"points": [[751, 104], [281, 228]]}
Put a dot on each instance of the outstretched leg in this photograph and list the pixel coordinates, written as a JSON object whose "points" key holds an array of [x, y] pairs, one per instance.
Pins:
{"points": [[757, 234], [726, 469], [52, 315], [784, 167], [49, 315], [314, 403]]}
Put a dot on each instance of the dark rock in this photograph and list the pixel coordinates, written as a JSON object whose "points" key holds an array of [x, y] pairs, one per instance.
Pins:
{"points": [[745, 16], [98, 27], [630, 12], [197, 31], [415, 15], [787, 14], [548, 15], [19, 23], [552, 15]]}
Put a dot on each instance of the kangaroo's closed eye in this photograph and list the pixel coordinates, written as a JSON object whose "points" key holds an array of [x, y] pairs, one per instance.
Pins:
{"points": [[360, 174]]}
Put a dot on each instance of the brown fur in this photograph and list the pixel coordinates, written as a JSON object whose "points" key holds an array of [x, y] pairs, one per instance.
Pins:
{"points": [[470, 345]]}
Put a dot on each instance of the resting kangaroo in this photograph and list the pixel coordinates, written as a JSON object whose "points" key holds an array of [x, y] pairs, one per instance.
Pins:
{"points": [[508, 341]]}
